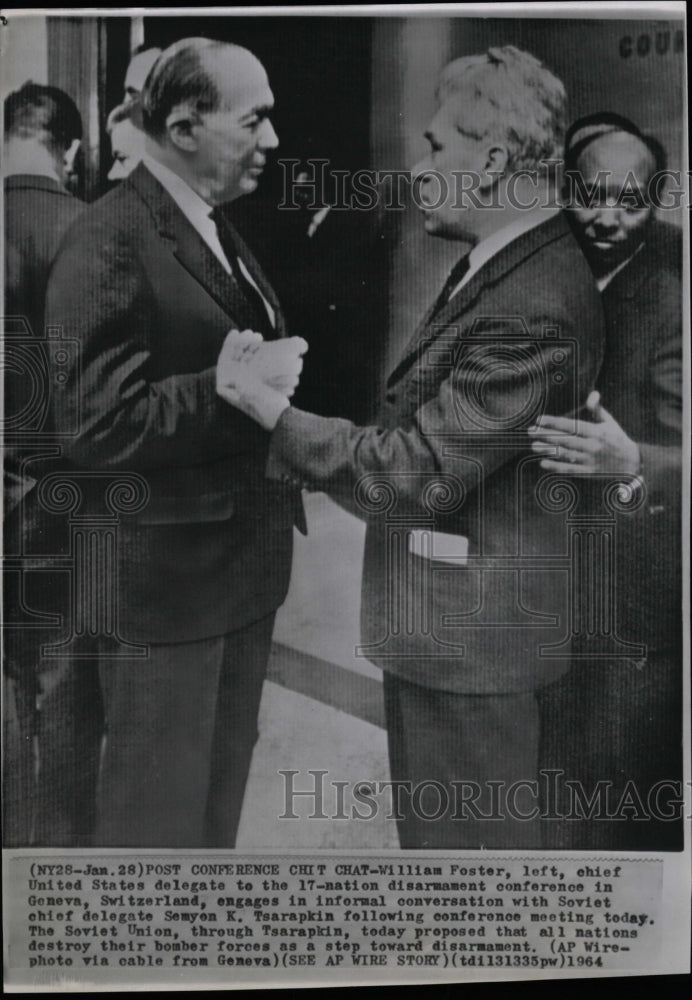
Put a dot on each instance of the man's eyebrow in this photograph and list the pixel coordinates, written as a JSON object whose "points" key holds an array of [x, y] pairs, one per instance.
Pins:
{"points": [[260, 112]]}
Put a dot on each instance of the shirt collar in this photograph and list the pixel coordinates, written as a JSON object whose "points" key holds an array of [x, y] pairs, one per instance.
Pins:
{"points": [[605, 280], [189, 202], [491, 245]]}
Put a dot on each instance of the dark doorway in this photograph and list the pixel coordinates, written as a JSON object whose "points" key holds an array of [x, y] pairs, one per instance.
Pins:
{"points": [[331, 283]]}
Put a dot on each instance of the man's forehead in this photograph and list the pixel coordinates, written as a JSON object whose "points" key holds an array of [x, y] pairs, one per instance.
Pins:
{"points": [[618, 155], [240, 78]]}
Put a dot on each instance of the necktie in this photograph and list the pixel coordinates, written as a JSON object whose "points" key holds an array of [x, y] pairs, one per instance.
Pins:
{"points": [[455, 276], [257, 312]]}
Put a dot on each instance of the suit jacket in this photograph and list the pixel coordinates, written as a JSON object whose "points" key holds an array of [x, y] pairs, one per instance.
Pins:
{"points": [[150, 306], [641, 385], [38, 211], [523, 336]]}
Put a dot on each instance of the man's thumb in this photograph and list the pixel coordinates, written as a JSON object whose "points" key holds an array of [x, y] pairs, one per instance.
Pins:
{"points": [[593, 405]]}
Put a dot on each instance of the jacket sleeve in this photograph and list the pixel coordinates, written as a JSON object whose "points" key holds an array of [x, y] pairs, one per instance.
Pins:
{"points": [[662, 462], [99, 294], [467, 429]]}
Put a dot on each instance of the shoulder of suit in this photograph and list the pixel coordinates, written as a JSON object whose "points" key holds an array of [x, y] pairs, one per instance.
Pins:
{"points": [[664, 245], [118, 215], [553, 255]]}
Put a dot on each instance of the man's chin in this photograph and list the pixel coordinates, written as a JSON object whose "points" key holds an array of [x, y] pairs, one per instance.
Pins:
{"points": [[604, 259]]}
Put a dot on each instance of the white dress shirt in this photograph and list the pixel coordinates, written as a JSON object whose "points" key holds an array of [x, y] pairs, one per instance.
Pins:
{"points": [[198, 213], [491, 245], [606, 279]]}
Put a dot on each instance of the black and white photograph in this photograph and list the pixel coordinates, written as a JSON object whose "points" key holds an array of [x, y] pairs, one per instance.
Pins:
{"points": [[346, 378]]}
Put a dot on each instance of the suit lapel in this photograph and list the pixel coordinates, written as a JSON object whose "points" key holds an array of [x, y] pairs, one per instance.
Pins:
{"points": [[253, 267], [190, 250], [509, 257]]}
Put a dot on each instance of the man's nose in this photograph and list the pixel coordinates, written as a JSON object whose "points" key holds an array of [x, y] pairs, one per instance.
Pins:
{"points": [[419, 170], [608, 218], [268, 137]]}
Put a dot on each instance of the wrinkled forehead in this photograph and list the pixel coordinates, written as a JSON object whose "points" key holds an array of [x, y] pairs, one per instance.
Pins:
{"points": [[615, 159]]}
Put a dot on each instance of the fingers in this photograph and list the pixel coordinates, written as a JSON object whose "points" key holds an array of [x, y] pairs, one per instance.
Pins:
{"points": [[300, 344], [563, 453], [568, 445], [240, 344], [593, 399], [565, 468], [565, 425]]}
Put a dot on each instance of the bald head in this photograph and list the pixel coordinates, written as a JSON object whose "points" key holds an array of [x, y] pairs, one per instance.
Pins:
{"points": [[200, 75], [206, 111], [610, 205], [622, 155]]}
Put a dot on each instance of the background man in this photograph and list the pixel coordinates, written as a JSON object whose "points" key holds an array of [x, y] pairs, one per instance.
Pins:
{"points": [[138, 70], [460, 644], [124, 127], [48, 798], [43, 131], [621, 720], [204, 566]]}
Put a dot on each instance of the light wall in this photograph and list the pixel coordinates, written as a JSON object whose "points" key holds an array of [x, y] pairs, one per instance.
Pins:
{"points": [[24, 51], [605, 65]]}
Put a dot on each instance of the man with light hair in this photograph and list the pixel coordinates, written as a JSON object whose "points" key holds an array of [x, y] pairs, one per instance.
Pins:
{"points": [[517, 329]]}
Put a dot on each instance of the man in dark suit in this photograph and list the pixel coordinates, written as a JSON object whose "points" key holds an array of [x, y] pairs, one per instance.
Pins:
{"points": [[516, 329], [203, 565], [620, 721], [43, 131], [47, 701]]}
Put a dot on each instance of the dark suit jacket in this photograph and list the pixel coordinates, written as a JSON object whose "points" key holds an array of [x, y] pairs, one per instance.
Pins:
{"points": [[38, 211], [523, 336], [150, 306], [641, 385]]}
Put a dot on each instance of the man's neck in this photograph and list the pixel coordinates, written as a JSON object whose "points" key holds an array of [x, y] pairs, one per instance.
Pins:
{"points": [[526, 201], [29, 157], [177, 165]]}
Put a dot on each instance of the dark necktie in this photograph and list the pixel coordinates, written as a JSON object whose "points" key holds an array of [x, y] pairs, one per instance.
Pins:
{"points": [[455, 275], [257, 311]]}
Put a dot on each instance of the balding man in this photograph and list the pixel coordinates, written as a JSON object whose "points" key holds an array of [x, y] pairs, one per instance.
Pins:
{"points": [[620, 721], [202, 569], [516, 329]]}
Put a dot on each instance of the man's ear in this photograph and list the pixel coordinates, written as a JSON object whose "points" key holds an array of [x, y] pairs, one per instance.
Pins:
{"points": [[69, 156], [180, 127], [496, 158]]}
